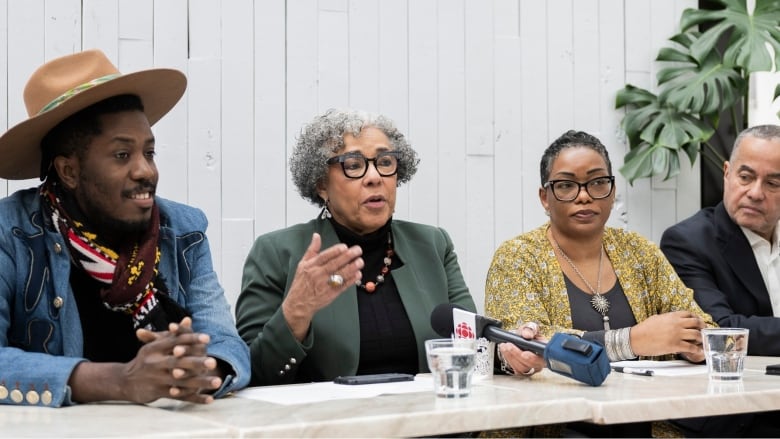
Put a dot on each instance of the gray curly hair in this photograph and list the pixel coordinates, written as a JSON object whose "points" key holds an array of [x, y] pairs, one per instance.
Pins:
{"points": [[324, 135]]}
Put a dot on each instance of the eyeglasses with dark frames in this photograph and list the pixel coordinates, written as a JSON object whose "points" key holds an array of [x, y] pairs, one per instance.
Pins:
{"points": [[355, 165], [569, 190]]}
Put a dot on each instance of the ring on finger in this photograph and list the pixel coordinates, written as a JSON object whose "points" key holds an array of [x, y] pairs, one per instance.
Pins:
{"points": [[530, 371], [335, 280]]}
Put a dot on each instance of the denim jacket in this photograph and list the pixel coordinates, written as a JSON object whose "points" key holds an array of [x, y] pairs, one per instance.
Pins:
{"points": [[40, 332]]}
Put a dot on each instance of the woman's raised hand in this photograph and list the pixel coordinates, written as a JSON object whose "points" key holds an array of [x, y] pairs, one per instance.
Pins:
{"points": [[320, 277]]}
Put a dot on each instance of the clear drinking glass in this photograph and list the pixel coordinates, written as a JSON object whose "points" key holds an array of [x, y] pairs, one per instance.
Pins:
{"points": [[452, 364]]}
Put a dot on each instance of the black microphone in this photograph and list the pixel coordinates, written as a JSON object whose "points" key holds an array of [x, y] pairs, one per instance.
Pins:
{"points": [[443, 324], [565, 354]]}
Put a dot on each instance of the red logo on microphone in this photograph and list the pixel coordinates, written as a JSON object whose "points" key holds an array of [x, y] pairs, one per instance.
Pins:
{"points": [[463, 330]]}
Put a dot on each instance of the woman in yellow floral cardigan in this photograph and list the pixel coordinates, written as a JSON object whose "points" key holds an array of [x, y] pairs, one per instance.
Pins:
{"points": [[574, 274]]}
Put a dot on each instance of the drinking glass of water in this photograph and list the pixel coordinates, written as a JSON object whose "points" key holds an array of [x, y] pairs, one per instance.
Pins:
{"points": [[452, 363], [725, 350]]}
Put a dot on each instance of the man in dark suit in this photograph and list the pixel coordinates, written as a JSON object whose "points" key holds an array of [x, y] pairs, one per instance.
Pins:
{"points": [[730, 256]]}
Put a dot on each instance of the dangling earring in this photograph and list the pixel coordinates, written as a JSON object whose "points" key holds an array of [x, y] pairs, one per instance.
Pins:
{"points": [[547, 212], [325, 214]]}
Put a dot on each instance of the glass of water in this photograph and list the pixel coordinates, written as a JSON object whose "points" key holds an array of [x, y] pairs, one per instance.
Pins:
{"points": [[725, 350], [452, 363]]}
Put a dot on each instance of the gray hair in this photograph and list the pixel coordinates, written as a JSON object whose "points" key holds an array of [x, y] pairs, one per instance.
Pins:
{"points": [[765, 132], [324, 135]]}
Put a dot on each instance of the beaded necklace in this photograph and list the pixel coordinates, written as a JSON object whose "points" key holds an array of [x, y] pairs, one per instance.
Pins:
{"points": [[370, 287], [597, 301]]}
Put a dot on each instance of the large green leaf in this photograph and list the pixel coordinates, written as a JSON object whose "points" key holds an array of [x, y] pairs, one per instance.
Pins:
{"points": [[750, 38], [705, 86], [657, 133]]}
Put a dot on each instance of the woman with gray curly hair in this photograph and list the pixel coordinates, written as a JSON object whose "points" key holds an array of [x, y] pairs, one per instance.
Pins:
{"points": [[351, 291]]}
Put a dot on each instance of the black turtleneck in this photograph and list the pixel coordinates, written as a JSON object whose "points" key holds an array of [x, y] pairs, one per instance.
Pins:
{"points": [[387, 342]]}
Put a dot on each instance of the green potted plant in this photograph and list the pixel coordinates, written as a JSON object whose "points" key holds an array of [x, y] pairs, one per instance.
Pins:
{"points": [[704, 79]]}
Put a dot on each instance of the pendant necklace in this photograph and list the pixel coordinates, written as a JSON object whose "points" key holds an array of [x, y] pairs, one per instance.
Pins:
{"points": [[597, 301], [370, 287]]}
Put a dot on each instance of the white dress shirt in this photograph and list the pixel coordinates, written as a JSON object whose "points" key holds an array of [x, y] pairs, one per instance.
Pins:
{"points": [[768, 259]]}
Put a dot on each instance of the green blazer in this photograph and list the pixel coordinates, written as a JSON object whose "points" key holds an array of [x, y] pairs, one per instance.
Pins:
{"points": [[430, 276]]}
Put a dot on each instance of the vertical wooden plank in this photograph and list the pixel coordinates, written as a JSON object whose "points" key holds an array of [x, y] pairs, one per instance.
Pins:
{"points": [[333, 60], [611, 43], [271, 183], [423, 121], [26, 52], [363, 26], [586, 78], [688, 187], [534, 113], [237, 139], [393, 80], [560, 62], [204, 129], [171, 51], [452, 120], [101, 26], [476, 255], [63, 27], [302, 89], [479, 70], [5, 95], [509, 191], [237, 103], [136, 51]]}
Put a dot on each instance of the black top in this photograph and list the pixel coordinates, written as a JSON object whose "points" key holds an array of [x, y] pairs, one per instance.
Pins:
{"points": [[585, 318], [108, 335], [387, 342]]}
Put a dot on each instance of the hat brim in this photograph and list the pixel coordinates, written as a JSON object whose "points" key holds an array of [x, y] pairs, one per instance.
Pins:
{"points": [[20, 146]]}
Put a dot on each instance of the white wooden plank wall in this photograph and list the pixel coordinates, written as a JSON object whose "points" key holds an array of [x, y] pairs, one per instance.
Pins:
{"points": [[480, 87]]}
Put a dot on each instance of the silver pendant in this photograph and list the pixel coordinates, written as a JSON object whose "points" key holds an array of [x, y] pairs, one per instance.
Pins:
{"points": [[600, 304]]}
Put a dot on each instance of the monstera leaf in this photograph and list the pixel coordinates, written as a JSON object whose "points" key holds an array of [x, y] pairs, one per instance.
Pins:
{"points": [[702, 86], [697, 83], [750, 38], [656, 133]]}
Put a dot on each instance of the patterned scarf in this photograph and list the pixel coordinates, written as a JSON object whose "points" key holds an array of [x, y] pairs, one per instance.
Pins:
{"points": [[130, 274]]}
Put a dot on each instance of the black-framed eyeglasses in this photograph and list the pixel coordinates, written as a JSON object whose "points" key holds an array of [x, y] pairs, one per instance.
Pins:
{"points": [[569, 190], [355, 164]]}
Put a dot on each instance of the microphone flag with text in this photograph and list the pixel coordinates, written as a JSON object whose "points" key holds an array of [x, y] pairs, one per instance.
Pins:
{"points": [[565, 354]]}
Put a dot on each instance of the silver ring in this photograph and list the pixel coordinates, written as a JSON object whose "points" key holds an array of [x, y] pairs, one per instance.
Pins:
{"points": [[335, 280], [530, 371], [533, 326]]}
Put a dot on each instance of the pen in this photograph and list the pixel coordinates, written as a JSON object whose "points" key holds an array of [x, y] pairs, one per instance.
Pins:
{"points": [[633, 371]]}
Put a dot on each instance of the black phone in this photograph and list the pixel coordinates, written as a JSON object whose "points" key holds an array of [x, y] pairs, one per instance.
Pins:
{"points": [[773, 369], [374, 378]]}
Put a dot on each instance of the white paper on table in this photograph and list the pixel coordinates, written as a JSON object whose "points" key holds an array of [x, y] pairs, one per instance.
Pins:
{"points": [[665, 368], [329, 391]]}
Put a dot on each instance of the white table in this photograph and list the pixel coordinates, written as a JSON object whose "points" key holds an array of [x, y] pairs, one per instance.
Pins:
{"points": [[500, 403]]}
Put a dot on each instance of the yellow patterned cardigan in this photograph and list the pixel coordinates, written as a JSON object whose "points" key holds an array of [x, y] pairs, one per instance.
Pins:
{"points": [[525, 281]]}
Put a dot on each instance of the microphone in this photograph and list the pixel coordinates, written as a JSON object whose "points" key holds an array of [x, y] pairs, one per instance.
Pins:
{"points": [[564, 354]]}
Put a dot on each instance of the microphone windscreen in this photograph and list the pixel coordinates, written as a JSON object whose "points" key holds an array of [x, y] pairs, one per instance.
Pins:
{"points": [[441, 319]]}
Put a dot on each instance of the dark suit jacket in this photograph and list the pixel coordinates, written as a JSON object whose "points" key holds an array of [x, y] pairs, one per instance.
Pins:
{"points": [[713, 257], [430, 276]]}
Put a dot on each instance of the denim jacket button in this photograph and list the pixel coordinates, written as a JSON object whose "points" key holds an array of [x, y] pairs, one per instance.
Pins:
{"points": [[57, 248], [33, 397], [16, 396], [57, 302], [46, 397], [3, 392]]}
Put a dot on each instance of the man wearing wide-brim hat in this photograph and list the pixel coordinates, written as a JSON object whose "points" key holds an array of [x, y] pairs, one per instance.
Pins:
{"points": [[107, 292]]}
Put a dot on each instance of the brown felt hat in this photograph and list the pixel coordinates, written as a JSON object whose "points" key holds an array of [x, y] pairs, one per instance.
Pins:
{"points": [[66, 85]]}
